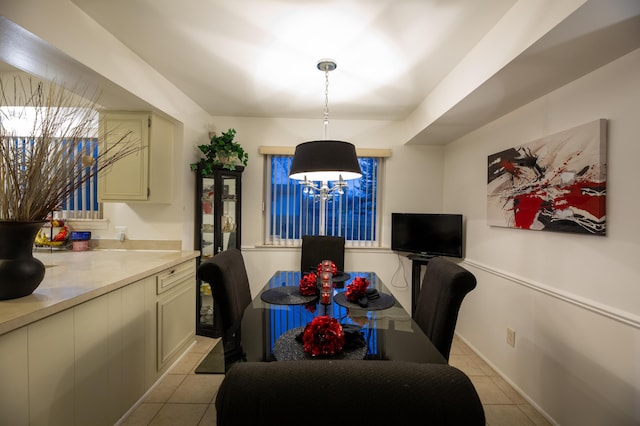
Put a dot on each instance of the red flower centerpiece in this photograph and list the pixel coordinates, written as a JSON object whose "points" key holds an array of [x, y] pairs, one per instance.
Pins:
{"points": [[311, 306], [308, 284], [334, 269], [357, 289], [323, 336]]}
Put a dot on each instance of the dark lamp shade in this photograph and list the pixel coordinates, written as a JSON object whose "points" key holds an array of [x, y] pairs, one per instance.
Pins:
{"points": [[325, 161]]}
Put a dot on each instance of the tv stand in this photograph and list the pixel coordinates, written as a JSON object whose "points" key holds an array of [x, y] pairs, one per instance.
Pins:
{"points": [[417, 261], [421, 256]]}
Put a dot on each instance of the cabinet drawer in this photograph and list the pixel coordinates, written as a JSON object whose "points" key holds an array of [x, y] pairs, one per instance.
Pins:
{"points": [[174, 276]]}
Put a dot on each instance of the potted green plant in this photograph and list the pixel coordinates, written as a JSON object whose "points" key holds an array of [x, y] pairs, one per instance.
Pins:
{"points": [[223, 152]]}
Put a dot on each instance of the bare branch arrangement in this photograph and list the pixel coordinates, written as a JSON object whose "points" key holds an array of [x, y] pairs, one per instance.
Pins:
{"points": [[38, 173]]}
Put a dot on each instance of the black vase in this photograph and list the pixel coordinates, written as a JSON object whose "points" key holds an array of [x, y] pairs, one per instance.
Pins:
{"points": [[20, 272]]}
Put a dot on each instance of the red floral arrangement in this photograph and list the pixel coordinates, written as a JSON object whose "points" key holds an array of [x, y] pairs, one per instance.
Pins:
{"points": [[334, 269], [311, 306], [323, 336], [357, 289], [308, 284]]}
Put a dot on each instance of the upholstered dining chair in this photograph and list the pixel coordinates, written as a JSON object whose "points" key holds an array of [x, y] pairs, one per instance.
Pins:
{"points": [[227, 275], [316, 248], [347, 392], [444, 286]]}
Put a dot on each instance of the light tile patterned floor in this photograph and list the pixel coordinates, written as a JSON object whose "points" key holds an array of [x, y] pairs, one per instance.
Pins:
{"points": [[184, 398], [503, 406]]}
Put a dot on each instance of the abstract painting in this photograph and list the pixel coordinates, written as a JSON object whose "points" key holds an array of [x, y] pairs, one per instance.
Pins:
{"points": [[556, 183]]}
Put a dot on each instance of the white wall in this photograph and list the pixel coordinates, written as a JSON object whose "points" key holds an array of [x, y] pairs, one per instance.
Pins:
{"points": [[572, 299], [412, 182], [90, 45], [101, 57]]}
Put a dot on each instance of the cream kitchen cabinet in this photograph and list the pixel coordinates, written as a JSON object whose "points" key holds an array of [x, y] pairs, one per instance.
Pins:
{"points": [[147, 175], [176, 293], [92, 362], [14, 370], [51, 375]]}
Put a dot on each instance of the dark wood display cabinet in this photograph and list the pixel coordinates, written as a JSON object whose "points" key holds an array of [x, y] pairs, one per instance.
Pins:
{"points": [[217, 228]]}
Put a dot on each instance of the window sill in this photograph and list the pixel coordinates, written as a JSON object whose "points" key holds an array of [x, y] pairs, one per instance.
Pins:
{"points": [[297, 247], [88, 224]]}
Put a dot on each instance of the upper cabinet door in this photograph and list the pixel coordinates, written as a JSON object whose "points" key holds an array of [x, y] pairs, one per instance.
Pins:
{"points": [[128, 179], [146, 175]]}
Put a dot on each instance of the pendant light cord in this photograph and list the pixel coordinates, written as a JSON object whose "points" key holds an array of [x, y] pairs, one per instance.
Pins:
{"points": [[326, 103]]}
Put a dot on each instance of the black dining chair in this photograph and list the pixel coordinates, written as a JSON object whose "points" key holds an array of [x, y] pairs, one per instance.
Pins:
{"points": [[347, 392], [316, 248], [444, 286], [227, 275]]}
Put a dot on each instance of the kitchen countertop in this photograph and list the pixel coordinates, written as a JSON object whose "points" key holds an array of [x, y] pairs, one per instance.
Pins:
{"points": [[72, 278]]}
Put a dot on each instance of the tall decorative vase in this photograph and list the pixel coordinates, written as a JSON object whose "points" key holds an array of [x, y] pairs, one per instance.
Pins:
{"points": [[20, 272]]}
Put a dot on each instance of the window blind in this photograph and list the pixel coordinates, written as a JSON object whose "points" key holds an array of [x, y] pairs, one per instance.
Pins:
{"points": [[290, 213]]}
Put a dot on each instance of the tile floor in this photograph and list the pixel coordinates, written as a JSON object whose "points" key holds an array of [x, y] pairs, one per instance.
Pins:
{"points": [[503, 406], [184, 398]]}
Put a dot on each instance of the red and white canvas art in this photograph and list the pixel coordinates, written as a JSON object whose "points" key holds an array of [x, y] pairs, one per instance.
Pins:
{"points": [[556, 183]]}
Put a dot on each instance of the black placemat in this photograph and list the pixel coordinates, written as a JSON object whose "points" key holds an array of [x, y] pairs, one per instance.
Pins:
{"points": [[385, 301], [287, 295], [287, 348], [341, 277]]}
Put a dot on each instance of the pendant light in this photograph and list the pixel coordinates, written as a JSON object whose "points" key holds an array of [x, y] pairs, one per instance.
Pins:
{"points": [[325, 160]]}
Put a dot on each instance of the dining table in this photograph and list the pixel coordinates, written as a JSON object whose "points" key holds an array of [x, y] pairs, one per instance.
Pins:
{"points": [[273, 322]]}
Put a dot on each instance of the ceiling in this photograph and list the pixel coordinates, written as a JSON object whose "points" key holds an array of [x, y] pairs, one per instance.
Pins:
{"points": [[258, 57]]}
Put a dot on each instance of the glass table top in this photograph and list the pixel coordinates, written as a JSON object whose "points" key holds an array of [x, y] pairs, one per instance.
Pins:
{"points": [[390, 333]]}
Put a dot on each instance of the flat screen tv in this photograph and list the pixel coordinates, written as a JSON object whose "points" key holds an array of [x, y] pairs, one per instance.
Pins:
{"points": [[427, 234]]}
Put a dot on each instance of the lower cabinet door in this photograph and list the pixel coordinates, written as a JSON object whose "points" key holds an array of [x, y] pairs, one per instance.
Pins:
{"points": [[14, 370], [51, 370], [96, 393], [175, 322]]}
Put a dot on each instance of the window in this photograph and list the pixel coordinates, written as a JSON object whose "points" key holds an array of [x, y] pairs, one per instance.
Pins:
{"points": [[83, 202], [23, 120], [290, 213]]}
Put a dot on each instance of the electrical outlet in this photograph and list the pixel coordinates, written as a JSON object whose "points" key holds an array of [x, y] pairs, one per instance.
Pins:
{"points": [[121, 232], [511, 337]]}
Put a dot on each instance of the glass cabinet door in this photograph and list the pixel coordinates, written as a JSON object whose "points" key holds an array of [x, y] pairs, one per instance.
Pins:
{"points": [[228, 219], [207, 230], [205, 320], [217, 226]]}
